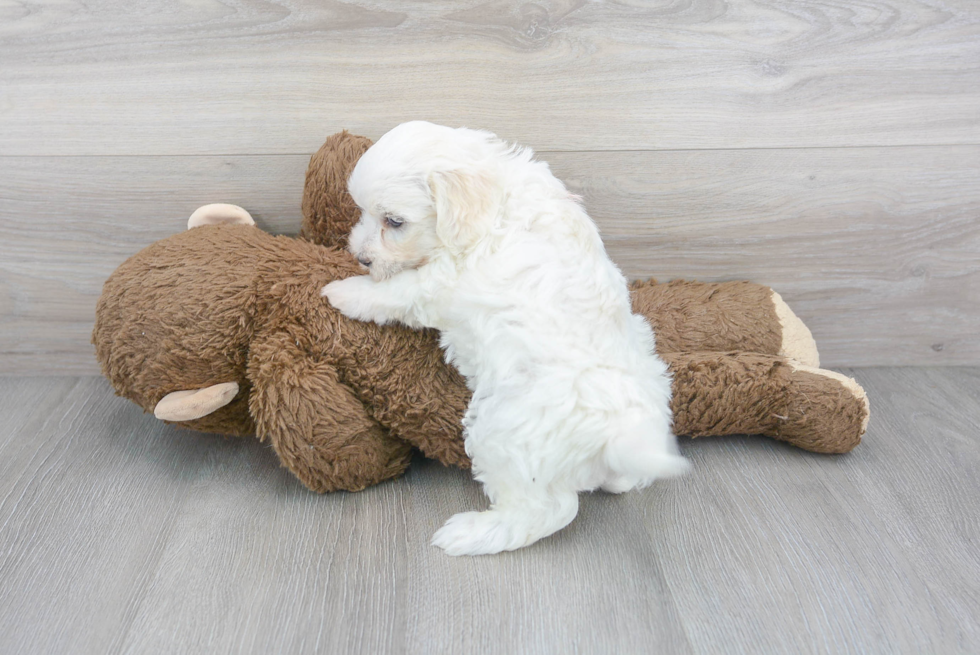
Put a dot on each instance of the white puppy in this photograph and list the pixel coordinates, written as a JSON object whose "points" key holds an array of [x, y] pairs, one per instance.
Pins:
{"points": [[466, 234]]}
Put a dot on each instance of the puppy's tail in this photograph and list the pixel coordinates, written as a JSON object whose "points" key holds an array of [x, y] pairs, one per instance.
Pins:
{"points": [[645, 449]]}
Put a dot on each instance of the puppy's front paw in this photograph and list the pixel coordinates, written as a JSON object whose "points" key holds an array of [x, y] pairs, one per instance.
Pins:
{"points": [[352, 296]]}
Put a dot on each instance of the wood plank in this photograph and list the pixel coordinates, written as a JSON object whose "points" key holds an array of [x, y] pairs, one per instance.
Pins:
{"points": [[929, 425], [194, 543], [560, 596], [840, 552], [261, 78], [158, 526], [876, 249]]}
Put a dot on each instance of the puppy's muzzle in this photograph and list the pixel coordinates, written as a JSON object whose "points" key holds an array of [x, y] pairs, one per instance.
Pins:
{"points": [[365, 262]]}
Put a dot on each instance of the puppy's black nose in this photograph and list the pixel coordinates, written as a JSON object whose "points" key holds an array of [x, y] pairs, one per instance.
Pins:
{"points": [[364, 261]]}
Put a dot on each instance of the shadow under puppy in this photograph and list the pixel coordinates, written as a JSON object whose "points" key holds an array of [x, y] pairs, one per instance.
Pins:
{"points": [[466, 234]]}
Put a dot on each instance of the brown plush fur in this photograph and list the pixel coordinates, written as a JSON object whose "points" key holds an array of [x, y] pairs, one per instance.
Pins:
{"points": [[343, 402], [718, 394], [329, 213], [695, 316]]}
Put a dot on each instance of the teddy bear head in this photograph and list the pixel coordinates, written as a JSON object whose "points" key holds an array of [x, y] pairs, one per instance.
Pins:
{"points": [[329, 212]]}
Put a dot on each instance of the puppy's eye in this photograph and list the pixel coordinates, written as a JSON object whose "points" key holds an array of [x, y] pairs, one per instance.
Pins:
{"points": [[394, 221]]}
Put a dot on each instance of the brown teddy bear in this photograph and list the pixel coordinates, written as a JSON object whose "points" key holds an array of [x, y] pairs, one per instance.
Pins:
{"points": [[222, 328]]}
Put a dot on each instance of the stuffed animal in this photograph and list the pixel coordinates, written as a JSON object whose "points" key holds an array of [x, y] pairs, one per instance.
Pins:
{"points": [[222, 328]]}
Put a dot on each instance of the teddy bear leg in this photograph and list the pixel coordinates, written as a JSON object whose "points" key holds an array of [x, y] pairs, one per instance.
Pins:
{"points": [[718, 394], [722, 317], [829, 412], [318, 427]]}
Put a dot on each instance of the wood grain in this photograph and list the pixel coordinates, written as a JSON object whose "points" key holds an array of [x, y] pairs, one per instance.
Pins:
{"points": [[121, 535], [876, 249], [249, 77], [118, 520]]}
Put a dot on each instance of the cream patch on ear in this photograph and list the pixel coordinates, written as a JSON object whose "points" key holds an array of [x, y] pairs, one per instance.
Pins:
{"points": [[219, 213], [189, 405], [465, 204]]}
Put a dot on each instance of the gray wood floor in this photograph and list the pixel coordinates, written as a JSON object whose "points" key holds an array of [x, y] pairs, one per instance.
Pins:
{"points": [[120, 534]]}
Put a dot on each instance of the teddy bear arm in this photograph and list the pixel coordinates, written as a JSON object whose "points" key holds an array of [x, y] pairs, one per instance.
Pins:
{"points": [[317, 426], [408, 387], [720, 394]]}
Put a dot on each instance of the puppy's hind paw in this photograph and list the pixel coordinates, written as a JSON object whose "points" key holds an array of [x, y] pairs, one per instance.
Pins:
{"points": [[476, 533], [618, 484]]}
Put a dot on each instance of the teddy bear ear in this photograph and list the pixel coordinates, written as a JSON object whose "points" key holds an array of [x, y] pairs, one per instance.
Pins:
{"points": [[466, 202], [219, 213], [329, 212], [195, 403]]}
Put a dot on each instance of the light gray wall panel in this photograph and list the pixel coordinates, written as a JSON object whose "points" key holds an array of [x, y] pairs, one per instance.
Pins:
{"points": [[248, 77]]}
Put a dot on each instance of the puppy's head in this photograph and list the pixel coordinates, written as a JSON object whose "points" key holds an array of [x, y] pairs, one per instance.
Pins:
{"points": [[424, 190]]}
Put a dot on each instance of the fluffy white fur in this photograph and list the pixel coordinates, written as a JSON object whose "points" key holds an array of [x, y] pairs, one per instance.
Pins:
{"points": [[466, 234]]}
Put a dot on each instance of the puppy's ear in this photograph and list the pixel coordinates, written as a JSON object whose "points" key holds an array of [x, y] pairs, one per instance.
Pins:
{"points": [[466, 205]]}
